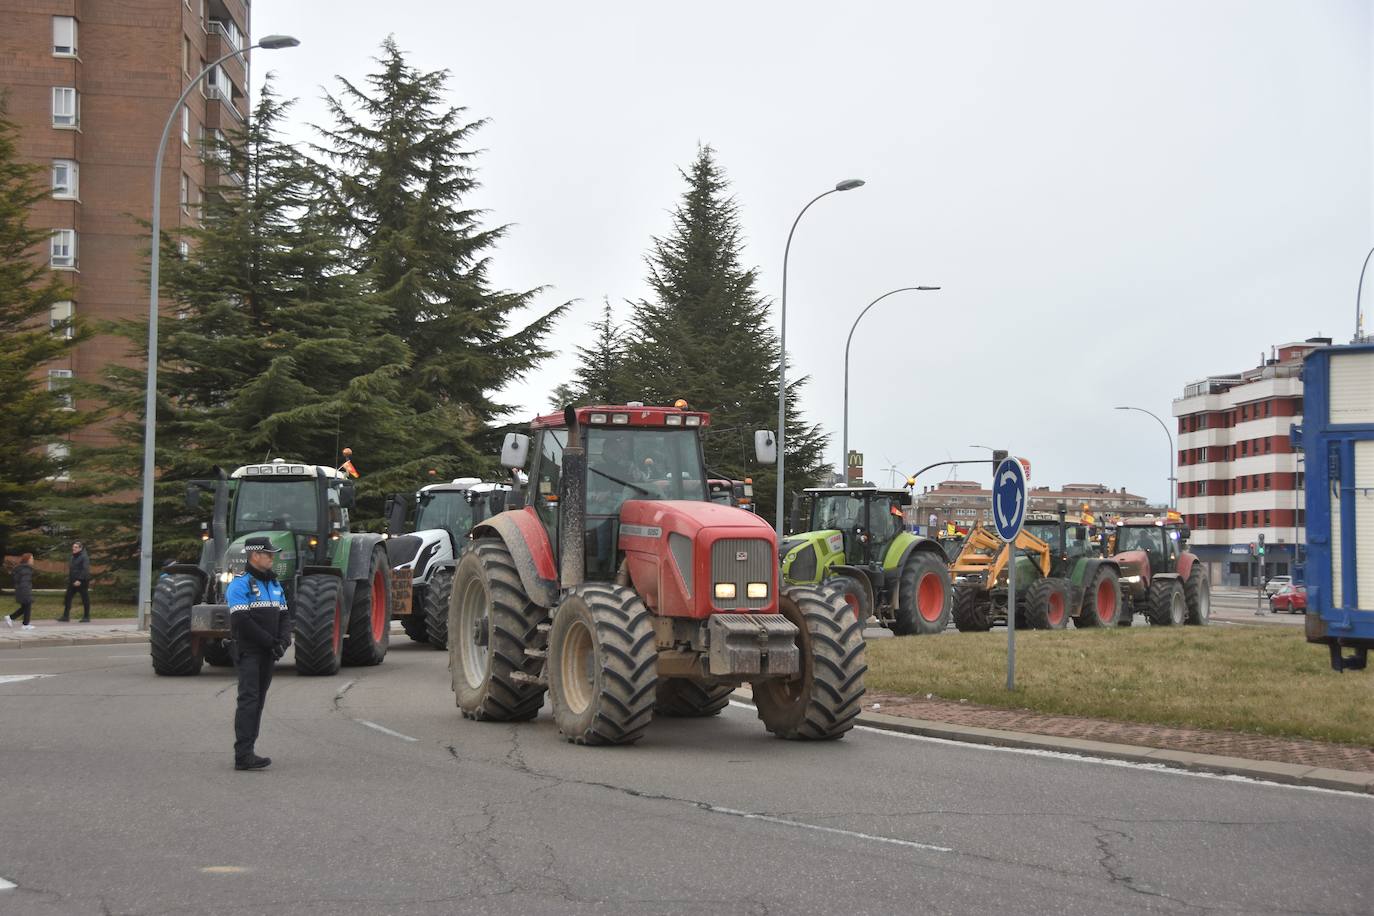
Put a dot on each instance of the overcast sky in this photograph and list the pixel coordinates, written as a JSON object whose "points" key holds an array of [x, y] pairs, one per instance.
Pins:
{"points": [[1118, 198]]}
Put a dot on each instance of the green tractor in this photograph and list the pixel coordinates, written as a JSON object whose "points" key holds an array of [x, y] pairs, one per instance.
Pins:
{"points": [[857, 543], [339, 585]]}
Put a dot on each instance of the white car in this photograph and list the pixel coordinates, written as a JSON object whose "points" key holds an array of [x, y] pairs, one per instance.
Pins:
{"points": [[1274, 583]]}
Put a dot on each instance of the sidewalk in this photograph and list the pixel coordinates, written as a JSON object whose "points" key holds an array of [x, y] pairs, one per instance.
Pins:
{"points": [[51, 633]]}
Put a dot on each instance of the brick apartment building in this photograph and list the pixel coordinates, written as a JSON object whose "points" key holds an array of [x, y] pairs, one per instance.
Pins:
{"points": [[966, 503], [90, 84], [1239, 476]]}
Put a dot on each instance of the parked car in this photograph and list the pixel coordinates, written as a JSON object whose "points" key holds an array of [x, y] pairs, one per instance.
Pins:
{"points": [[1291, 599], [1274, 583]]}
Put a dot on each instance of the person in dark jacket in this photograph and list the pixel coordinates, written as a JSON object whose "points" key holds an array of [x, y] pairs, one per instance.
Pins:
{"points": [[23, 591], [78, 580], [260, 630]]}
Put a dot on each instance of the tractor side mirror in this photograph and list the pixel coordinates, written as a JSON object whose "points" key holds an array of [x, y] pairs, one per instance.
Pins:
{"points": [[395, 512], [347, 495], [515, 450], [1184, 534], [765, 446]]}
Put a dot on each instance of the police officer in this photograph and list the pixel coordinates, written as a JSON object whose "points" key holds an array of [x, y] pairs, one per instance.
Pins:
{"points": [[260, 628]]}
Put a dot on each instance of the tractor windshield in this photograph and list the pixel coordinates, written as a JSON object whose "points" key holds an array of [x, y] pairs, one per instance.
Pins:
{"points": [[446, 509], [841, 511], [275, 505], [641, 464], [1148, 538], [1047, 532]]}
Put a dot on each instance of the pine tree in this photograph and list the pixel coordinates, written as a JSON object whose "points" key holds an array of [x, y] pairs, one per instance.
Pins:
{"points": [[404, 170], [600, 374], [704, 335], [31, 417]]}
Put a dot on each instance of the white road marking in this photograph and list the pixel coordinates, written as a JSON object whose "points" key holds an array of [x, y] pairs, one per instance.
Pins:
{"points": [[1104, 761], [223, 870], [875, 838], [384, 730], [14, 678], [7, 885]]}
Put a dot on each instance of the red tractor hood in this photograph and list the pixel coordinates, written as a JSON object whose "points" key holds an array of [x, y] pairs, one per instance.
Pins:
{"points": [[1134, 563], [676, 558]]}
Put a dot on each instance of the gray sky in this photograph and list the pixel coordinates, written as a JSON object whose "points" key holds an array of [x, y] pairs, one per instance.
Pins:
{"points": [[1118, 198]]}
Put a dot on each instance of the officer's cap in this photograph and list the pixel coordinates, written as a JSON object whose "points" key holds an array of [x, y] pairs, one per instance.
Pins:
{"points": [[260, 545]]}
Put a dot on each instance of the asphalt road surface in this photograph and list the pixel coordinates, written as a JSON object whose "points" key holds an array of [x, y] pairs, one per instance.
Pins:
{"points": [[120, 797]]}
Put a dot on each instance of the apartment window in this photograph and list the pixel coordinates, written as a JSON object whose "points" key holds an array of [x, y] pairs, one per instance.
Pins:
{"points": [[185, 55], [64, 36], [184, 249], [59, 380], [58, 452], [185, 193], [63, 252], [1267, 481], [1266, 518], [66, 107], [1268, 445], [185, 125], [213, 83], [60, 317], [64, 179]]}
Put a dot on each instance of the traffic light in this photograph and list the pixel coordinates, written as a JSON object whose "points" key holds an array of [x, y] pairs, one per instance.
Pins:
{"points": [[1261, 545], [1252, 549], [998, 456]]}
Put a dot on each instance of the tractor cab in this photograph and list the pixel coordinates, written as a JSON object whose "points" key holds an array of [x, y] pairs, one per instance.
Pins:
{"points": [[867, 518], [1160, 540]]}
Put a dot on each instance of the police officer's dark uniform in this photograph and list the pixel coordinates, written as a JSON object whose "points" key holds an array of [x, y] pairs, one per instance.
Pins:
{"points": [[260, 628]]}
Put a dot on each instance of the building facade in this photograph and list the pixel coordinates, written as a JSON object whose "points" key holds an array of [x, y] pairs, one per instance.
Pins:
{"points": [[965, 503], [90, 83], [1239, 475]]}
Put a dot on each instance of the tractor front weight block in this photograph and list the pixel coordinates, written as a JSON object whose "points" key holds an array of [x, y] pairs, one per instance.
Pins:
{"points": [[752, 644], [210, 619]]}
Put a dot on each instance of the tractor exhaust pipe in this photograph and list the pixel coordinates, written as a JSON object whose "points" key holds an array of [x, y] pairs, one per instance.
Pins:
{"points": [[219, 518], [572, 505]]}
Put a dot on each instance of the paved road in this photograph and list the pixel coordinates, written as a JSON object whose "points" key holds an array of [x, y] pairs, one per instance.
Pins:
{"points": [[120, 798]]}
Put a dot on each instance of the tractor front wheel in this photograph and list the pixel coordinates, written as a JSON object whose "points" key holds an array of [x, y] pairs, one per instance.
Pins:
{"points": [[319, 625], [436, 607], [821, 701], [494, 640], [175, 651], [1168, 605], [924, 596], [216, 652], [972, 610], [369, 623], [854, 594], [414, 625], [603, 665], [1102, 602], [681, 698], [1047, 604], [1197, 593]]}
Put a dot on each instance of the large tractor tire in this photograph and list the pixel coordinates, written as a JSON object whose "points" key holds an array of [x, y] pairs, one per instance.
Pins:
{"points": [[1101, 601], [1047, 604], [1197, 594], [603, 665], [925, 598], [972, 610], [1168, 605], [854, 594], [493, 628], [681, 698], [822, 700], [216, 653], [369, 620], [319, 625], [414, 625], [436, 607], [175, 651]]}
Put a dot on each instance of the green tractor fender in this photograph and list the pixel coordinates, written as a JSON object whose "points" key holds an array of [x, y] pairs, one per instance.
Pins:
{"points": [[904, 545], [190, 569]]}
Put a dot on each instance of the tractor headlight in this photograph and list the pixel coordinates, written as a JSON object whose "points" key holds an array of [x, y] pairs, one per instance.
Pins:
{"points": [[725, 590], [694, 420], [226, 577], [673, 419], [756, 590]]}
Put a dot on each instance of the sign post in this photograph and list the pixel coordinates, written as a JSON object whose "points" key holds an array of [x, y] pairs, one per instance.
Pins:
{"points": [[1008, 515]]}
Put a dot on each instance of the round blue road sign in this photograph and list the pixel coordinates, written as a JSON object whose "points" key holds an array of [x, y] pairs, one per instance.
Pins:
{"points": [[1009, 498]]}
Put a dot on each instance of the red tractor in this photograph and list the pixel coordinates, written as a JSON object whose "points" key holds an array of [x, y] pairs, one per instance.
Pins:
{"points": [[620, 590], [1159, 578]]}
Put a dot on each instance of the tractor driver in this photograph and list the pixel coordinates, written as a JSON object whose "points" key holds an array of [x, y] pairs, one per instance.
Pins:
{"points": [[260, 632], [612, 478]]}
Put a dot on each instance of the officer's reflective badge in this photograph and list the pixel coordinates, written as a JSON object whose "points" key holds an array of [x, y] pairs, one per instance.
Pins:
{"points": [[253, 588]]}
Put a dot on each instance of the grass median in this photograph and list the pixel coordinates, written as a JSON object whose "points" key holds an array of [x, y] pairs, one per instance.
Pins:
{"points": [[1262, 680], [49, 607]]}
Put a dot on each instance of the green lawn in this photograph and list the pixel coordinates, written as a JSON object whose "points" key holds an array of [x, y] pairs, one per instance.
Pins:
{"points": [[49, 607], [1263, 680]]}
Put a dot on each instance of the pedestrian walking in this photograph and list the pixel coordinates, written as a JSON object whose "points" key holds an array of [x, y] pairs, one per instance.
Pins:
{"points": [[260, 632], [78, 581], [23, 592]]}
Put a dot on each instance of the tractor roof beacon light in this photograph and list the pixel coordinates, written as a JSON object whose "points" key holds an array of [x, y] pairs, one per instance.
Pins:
{"points": [[847, 184], [145, 581]]}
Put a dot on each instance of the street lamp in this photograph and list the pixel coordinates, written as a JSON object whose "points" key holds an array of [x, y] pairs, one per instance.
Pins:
{"points": [[145, 551], [844, 448], [1359, 315], [848, 184], [1173, 503]]}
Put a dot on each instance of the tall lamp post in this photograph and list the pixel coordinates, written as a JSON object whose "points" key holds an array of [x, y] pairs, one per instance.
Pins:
{"points": [[844, 447], [848, 184], [1173, 502], [1359, 315], [145, 551]]}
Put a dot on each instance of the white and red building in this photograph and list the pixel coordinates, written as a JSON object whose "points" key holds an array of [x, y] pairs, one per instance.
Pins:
{"points": [[1238, 474]]}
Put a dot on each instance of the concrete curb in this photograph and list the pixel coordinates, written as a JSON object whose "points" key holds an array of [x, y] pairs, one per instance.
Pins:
{"points": [[48, 642], [1292, 774]]}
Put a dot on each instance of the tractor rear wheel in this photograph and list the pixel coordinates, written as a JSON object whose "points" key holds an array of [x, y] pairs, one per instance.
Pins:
{"points": [[436, 607], [369, 623], [1197, 593], [822, 700], [1101, 601], [414, 625], [1047, 604], [1168, 605], [972, 610], [175, 651], [603, 665], [924, 596], [681, 698], [492, 629], [854, 594], [216, 652], [319, 625]]}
